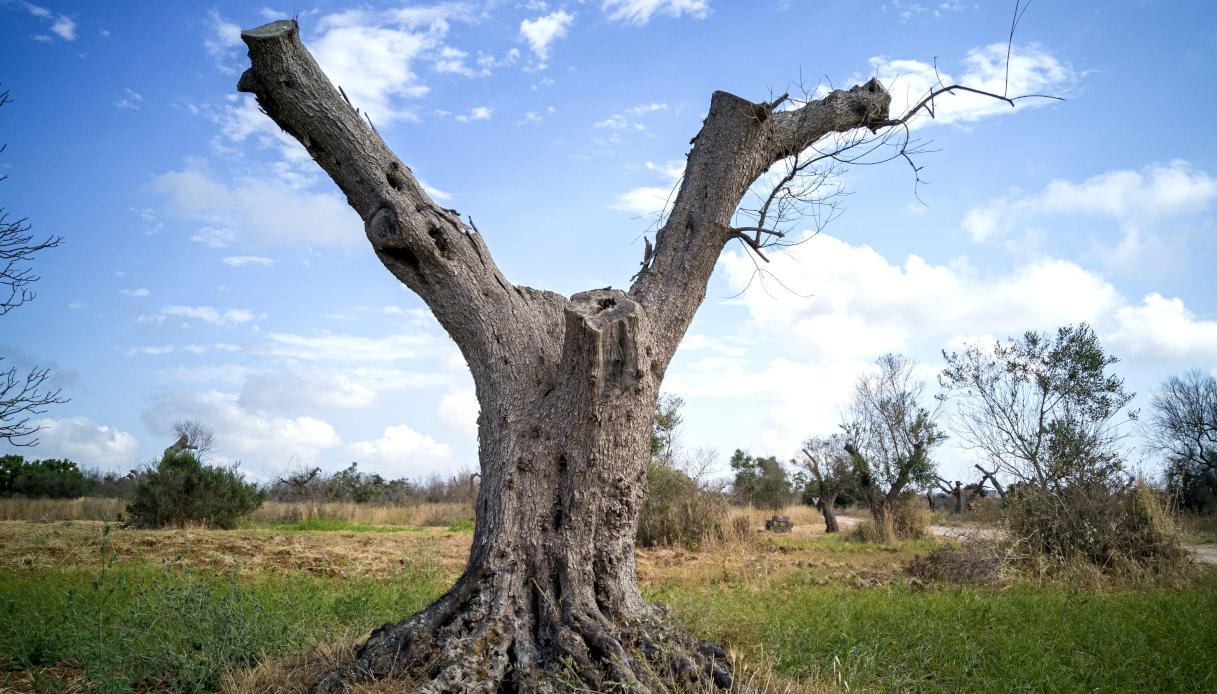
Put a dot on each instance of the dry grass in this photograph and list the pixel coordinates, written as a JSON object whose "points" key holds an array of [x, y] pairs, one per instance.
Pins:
{"points": [[46, 510], [437, 515], [74, 544]]}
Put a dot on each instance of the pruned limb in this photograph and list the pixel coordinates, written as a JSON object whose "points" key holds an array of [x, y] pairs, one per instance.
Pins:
{"points": [[426, 246]]}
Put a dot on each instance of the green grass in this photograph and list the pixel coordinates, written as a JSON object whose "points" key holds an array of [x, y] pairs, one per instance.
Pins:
{"points": [[171, 627], [335, 525], [460, 526], [968, 639]]}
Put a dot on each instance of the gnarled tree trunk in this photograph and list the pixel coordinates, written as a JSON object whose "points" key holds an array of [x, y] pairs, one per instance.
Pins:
{"points": [[567, 387]]}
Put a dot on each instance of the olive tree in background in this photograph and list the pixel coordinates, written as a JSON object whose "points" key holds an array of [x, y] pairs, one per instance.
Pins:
{"points": [[889, 436], [1044, 410], [830, 470], [567, 386]]}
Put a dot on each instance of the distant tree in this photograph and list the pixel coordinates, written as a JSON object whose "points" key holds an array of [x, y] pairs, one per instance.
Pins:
{"points": [[665, 433], [1043, 409], [195, 436], [761, 482], [22, 394], [828, 471], [889, 435], [1183, 426]]}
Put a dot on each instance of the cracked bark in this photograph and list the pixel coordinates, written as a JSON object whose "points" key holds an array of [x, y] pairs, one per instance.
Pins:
{"points": [[549, 599]]}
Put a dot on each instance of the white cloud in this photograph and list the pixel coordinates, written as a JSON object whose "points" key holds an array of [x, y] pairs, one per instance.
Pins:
{"points": [[1164, 330], [62, 26], [256, 210], [351, 348], [153, 350], [299, 389], [371, 56], [851, 302], [639, 12], [643, 109], [1143, 205], [1033, 70], [210, 315], [645, 200], [544, 30], [138, 293], [459, 412], [85, 443], [402, 452], [262, 443], [243, 260], [131, 100], [615, 122], [1132, 198], [476, 113], [224, 37]]}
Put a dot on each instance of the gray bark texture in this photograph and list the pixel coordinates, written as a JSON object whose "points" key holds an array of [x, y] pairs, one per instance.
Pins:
{"points": [[549, 600]]}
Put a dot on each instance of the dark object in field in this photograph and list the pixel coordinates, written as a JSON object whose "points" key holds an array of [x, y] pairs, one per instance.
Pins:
{"points": [[779, 524]]}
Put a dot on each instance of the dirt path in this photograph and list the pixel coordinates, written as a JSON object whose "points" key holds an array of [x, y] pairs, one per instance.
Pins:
{"points": [[1205, 554]]}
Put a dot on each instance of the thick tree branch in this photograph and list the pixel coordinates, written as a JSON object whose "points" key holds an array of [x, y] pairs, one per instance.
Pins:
{"points": [[423, 244], [739, 141]]}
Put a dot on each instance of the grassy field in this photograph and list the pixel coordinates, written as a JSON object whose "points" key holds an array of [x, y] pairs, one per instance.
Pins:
{"points": [[270, 606]]}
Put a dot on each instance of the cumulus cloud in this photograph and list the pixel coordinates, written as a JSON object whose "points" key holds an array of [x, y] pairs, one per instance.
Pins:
{"points": [[639, 12], [84, 442], [852, 301], [544, 30], [1132, 198], [475, 113], [1164, 330], [263, 443], [1033, 70], [137, 293], [652, 200], [62, 26], [459, 412], [260, 211], [301, 389], [402, 452]]}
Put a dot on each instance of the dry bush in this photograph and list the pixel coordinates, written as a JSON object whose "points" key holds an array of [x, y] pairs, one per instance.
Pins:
{"points": [[45, 510], [976, 563], [1123, 532], [677, 511], [1200, 526], [908, 517], [987, 510]]}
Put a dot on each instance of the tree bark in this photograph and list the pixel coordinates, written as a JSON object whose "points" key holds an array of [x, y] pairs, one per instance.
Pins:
{"points": [[549, 599], [830, 513]]}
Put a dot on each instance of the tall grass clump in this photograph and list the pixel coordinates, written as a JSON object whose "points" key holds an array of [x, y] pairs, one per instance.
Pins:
{"points": [[182, 490], [908, 517], [1120, 531], [677, 511]]}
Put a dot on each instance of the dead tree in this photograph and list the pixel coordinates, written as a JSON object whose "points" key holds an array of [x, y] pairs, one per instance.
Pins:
{"points": [[567, 388], [986, 475]]}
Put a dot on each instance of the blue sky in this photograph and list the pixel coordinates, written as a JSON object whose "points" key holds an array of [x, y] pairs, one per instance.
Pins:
{"points": [[209, 270]]}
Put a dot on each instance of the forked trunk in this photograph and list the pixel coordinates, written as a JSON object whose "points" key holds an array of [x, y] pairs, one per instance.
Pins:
{"points": [[549, 600]]}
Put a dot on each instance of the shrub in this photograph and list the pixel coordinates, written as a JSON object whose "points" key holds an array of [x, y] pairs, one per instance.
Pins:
{"points": [[1117, 530], [676, 510], [182, 490], [56, 479]]}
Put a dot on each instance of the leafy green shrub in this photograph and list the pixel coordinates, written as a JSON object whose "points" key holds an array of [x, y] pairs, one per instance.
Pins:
{"points": [[1119, 531], [676, 510], [182, 490], [56, 479], [761, 482]]}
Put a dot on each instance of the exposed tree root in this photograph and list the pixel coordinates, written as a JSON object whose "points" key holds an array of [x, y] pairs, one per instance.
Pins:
{"points": [[474, 646]]}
